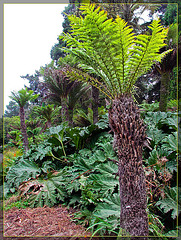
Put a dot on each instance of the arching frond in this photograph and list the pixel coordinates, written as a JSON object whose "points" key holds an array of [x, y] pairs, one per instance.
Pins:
{"points": [[110, 50], [23, 96], [146, 52], [76, 74]]}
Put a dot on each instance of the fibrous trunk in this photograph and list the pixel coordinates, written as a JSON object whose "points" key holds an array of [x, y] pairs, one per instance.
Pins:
{"points": [[23, 128], [49, 124], [70, 116], [67, 113], [64, 111], [164, 91], [95, 97], [129, 137]]}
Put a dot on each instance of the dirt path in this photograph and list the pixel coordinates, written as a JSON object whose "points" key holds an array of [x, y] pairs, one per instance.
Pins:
{"points": [[46, 221]]}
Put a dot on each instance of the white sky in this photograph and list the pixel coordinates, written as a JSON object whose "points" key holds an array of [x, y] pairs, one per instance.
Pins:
{"points": [[30, 31]]}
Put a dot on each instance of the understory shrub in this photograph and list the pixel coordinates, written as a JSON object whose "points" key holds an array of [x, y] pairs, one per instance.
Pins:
{"points": [[78, 167]]}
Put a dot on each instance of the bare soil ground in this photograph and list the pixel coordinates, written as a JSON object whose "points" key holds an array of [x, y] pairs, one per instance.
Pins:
{"points": [[56, 222]]}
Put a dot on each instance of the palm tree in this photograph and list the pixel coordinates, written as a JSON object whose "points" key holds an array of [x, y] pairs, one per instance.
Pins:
{"points": [[109, 49], [22, 97], [62, 91]]}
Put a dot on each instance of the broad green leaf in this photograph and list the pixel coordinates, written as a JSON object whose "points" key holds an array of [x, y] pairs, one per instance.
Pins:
{"points": [[22, 171], [107, 169], [50, 190], [111, 207], [171, 143], [170, 203]]}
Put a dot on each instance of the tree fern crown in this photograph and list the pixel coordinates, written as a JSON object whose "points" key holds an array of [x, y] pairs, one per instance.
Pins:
{"points": [[111, 51], [23, 96]]}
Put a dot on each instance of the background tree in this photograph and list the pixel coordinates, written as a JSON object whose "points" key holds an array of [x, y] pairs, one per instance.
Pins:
{"points": [[58, 55], [10, 124], [21, 98], [69, 60], [169, 15], [56, 51], [35, 85], [46, 113], [12, 109], [62, 91], [166, 66], [112, 51]]}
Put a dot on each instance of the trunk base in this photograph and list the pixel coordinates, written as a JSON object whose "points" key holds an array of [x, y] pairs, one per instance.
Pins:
{"points": [[129, 137]]}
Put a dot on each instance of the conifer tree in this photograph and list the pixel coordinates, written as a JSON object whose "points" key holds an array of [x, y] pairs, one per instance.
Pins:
{"points": [[109, 49]]}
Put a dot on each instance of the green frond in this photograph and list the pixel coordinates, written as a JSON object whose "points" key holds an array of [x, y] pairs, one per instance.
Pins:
{"points": [[146, 52], [111, 51], [78, 75], [23, 96], [100, 28]]}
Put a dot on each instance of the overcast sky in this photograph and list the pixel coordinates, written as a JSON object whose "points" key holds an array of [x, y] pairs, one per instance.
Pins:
{"points": [[30, 31]]}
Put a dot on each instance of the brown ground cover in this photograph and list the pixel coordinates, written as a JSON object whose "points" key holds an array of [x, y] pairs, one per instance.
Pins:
{"points": [[46, 221]]}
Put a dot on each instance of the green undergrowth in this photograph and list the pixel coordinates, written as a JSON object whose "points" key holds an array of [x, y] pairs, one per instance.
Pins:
{"points": [[18, 204], [77, 167]]}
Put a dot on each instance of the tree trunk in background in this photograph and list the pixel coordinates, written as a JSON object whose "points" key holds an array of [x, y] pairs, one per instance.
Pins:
{"points": [[64, 112], [95, 97], [129, 136], [164, 91], [23, 128], [49, 123], [70, 116]]}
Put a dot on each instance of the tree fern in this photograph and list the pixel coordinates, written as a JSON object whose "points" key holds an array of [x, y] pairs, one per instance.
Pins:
{"points": [[109, 49]]}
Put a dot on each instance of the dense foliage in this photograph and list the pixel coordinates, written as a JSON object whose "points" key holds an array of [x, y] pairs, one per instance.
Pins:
{"points": [[77, 166], [71, 160]]}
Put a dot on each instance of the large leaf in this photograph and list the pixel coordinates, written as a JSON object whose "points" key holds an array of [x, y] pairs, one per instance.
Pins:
{"points": [[174, 233], [110, 207], [156, 136], [99, 156], [168, 205], [103, 123], [104, 184], [153, 118], [171, 122], [107, 169], [73, 185], [108, 150], [44, 191], [82, 165], [171, 143], [41, 152], [22, 171], [79, 135], [170, 202]]}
